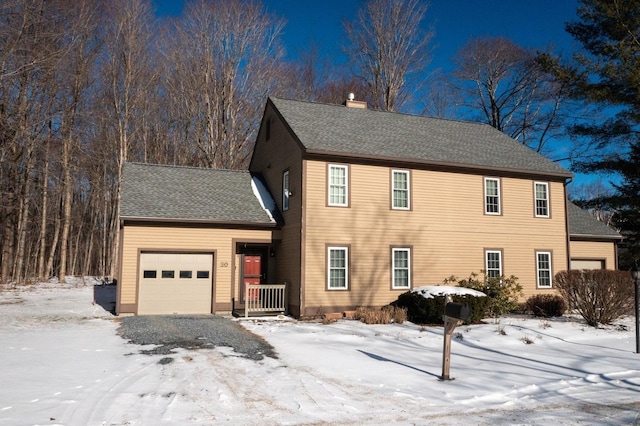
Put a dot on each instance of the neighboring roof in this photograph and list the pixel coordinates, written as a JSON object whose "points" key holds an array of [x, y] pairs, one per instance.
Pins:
{"points": [[363, 133], [582, 224], [165, 193]]}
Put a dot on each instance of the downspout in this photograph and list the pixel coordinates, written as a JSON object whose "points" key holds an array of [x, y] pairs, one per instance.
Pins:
{"points": [[566, 221], [303, 238], [119, 271]]}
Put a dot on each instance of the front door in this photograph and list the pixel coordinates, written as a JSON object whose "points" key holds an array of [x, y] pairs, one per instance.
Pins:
{"points": [[252, 274]]}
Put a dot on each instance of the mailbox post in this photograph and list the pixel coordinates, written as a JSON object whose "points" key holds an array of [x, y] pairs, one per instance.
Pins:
{"points": [[454, 315]]}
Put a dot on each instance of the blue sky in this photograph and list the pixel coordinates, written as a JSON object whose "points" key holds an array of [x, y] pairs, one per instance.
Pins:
{"points": [[536, 24], [531, 23]]}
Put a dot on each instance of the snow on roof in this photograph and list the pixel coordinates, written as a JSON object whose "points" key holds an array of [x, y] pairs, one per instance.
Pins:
{"points": [[430, 291], [262, 194]]}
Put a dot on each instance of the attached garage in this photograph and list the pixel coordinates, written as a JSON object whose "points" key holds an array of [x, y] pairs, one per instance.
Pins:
{"points": [[175, 283], [182, 230], [593, 245]]}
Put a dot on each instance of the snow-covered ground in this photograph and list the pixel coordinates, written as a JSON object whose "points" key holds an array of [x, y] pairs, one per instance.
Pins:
{"points": [[61, 362]]}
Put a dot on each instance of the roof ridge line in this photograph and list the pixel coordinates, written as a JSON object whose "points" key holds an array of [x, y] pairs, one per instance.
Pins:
{"points": [[406, 114], [176, 166]]}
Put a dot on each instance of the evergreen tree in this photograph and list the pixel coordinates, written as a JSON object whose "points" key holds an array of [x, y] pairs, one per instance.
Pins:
{"points": [[607, 74]]}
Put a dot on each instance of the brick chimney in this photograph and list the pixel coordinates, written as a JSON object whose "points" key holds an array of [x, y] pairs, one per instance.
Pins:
{"points": [[352, 103]]}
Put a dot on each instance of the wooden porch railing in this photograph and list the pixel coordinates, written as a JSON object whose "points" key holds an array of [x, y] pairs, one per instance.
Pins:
{"points": [[265, 298]]}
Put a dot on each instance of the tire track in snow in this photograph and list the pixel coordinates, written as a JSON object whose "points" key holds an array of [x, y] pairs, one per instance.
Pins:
{"points": [[106, 394], [283, 394]]}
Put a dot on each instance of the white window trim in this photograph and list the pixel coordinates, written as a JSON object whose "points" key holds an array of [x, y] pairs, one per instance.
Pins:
{"points": [[393, 189], [393, 267], [486, 211], [535, 198], [538, 270], [285, 190], [346, 185], [346, 268], [486, 261]]}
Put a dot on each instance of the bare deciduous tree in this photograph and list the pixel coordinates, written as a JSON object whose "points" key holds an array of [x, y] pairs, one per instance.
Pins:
{"points": [[127, 77], [87, 85], [389, 48], [304, 78], [441, 99], [589, 196], [336, 90], [73, 75], [225, 57], [30, 46], [502, 84]]}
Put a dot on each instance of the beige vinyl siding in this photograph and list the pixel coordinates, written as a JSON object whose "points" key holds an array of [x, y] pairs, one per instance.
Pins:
{"points": [[594, 250], [271, 158], [138, 238], [446, 228]]}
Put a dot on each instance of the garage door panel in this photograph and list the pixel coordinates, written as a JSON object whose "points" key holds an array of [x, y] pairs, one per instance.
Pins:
{"points": [[175, 283], [587, 264]]}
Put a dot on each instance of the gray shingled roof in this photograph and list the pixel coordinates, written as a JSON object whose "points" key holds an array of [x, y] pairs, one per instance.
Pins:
{"points": [[337, 129], [156, 192], [582, 224]]}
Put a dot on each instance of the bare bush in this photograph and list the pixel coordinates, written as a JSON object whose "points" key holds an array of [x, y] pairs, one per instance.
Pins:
{"points": [[546, 305], [385, 315], [599, 296]]}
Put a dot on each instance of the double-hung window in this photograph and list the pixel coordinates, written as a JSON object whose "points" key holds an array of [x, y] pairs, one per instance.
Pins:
{"points": [[493, 263], [337, 268], [401, 268], [267, 129], [400, 192], [543, 269], [338, 185], [285, 190], [492, 196], [542, 199]]}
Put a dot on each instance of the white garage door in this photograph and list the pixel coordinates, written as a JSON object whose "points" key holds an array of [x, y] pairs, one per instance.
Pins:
{"points": [[587, 264], [175, 283]]}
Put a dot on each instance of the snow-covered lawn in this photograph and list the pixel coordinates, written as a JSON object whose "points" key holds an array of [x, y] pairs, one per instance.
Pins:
{"points": [[61, 362]]}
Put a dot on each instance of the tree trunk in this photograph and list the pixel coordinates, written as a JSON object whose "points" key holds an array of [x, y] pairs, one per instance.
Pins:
{"points": [[66, 209], [54, 245], [23, 223], [7, 248], [43, 216]]}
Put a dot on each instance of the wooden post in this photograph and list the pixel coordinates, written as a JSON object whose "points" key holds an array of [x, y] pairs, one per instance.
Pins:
{"points": [[449, 325]]}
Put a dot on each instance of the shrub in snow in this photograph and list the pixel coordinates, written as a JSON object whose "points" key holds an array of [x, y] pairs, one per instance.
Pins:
{"points": [[546, 305], [503, 292], [600, 296], [425, 305], [527, 340], [385, 315]]}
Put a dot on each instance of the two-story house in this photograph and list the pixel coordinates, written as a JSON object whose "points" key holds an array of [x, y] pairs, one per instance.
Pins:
{"points": [[350, 207]]}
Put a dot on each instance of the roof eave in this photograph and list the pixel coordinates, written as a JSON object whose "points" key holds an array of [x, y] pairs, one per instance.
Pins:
{"points": [[199, 221], [595, 237], [317, 154]]}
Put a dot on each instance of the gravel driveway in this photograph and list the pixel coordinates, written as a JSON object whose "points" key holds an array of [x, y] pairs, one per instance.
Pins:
{"points": [[192, 332]]}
